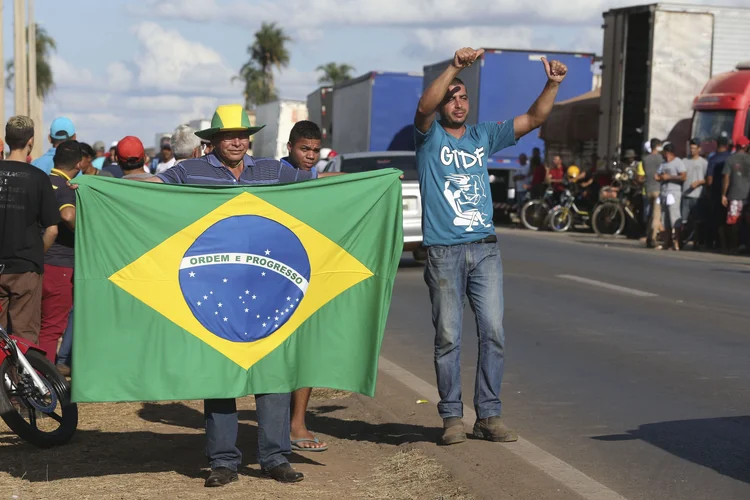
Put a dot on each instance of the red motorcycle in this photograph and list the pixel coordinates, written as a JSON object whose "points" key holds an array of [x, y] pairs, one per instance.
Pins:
{"points": [[35, 398]]}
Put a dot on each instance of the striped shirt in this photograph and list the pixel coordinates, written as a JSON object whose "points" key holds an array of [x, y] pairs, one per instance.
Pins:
{"points": [[209, 170]]}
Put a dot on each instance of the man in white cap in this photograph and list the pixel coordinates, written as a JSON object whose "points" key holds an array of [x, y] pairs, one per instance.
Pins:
{"points": [[61, 130]]}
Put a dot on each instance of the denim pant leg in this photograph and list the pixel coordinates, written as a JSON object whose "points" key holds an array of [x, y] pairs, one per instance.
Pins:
{"points": [[445, 275], [221, 433], [273, 429], [485, 291], [66, 348]]}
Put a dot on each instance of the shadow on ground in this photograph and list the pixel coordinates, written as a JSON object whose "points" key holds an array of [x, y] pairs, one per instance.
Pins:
{"points": [[721, 444], [94, 453]]}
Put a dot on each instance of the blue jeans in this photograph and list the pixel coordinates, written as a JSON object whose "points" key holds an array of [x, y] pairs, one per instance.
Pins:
{"points": [[452, 273], [273, 431], [65, 353]]}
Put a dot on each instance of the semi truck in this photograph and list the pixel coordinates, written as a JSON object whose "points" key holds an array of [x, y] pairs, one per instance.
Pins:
{"points": [[656, 58], [723, 108], [278, 117], [320, 111], [375, 112]]}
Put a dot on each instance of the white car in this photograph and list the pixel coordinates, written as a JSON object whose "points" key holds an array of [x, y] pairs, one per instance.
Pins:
{"points": [[412, 199]]}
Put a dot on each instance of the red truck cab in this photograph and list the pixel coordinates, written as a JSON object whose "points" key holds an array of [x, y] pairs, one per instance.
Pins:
{"points": [[722, 108]]}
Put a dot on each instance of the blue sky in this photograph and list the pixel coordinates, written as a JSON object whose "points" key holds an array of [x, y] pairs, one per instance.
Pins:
{"points": [[142, 67]]}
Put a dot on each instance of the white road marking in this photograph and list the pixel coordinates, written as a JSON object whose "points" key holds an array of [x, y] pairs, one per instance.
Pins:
{"points": [[608, 286], [561, 471]]}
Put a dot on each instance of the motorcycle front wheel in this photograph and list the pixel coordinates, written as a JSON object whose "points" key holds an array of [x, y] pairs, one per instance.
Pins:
{"points": [[44, 421], [534, 214], [608, 219], [560, 219]]}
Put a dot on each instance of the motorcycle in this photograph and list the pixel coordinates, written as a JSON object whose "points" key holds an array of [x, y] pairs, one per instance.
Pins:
{"points": [[567, 213], [535, 213], [619, 205], [35, 398]]}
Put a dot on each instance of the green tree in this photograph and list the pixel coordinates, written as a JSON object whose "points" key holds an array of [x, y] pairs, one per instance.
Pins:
{"points": [[45, 80], [334, 74], [268, 52]]}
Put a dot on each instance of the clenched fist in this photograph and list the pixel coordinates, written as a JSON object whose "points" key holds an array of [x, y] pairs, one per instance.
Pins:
{"points": [[465, 57], [556, 70]]}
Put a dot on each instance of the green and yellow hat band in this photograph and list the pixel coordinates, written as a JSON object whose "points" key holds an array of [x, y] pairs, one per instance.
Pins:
{"points": [[229, 117]]}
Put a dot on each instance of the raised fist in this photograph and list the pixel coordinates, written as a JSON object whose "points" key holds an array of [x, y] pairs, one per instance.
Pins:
{"points": [[463, 58], [556, 70]]}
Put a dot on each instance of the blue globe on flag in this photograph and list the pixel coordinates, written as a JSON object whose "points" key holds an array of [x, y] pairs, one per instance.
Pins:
{"points": [[244, 277]]}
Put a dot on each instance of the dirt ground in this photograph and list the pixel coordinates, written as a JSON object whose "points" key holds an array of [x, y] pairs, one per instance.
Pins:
{"points": [[155, 450]]}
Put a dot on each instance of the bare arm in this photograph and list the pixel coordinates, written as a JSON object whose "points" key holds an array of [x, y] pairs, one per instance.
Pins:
{"points": [[540, 110], [68, 215], [435, 93], [49, 237], [724, 190]]}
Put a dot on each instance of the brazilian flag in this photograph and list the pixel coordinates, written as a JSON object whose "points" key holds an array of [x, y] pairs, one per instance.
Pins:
{"points": [[193, 292]]}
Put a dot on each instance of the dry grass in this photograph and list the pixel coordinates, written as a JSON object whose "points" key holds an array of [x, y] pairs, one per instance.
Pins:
{"points": [[328, 394], [410, 475], [154, 451]]}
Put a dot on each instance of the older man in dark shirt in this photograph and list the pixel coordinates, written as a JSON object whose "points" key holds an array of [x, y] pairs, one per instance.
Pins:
{"points": [[229, 164]]}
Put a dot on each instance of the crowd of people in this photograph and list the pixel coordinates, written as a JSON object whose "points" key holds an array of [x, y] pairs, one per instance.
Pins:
{"points": [[38, 224], [701, 200]]}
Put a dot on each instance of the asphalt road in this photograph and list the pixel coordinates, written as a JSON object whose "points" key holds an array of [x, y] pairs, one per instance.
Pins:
{"points": [[645, 388]]}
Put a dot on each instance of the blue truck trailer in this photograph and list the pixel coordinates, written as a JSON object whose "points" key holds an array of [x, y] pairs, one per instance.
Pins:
{"points": [[375, 112], [506, 82]]}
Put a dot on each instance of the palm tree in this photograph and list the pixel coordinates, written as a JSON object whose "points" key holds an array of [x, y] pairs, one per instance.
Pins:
{"points": [[45, 80], [268, 52], [334, 73]]}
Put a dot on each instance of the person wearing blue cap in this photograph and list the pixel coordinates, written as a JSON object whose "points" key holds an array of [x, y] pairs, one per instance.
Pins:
{"points": [[61, 130]]}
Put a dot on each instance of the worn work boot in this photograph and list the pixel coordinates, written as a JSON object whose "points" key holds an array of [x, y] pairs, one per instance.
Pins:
{"points": [[221, 476], [493, 429], [453, 431]]}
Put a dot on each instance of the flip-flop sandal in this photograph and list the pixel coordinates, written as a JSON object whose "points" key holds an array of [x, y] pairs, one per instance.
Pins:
{"points": [[296, 447]]}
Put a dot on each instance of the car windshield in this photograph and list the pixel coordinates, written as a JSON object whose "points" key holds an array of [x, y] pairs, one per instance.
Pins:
{"points": [[709, 125], [407, 164]]}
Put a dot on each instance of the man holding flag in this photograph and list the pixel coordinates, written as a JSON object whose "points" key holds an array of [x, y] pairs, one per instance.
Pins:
{"points": [[229, 164], [463, 256]]}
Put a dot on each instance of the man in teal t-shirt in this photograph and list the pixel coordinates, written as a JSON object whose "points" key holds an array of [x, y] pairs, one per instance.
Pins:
{"points": [[462, 253]]}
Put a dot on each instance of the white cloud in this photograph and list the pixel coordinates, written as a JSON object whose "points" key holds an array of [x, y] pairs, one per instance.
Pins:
{"points": [[170, 62], [294, 84], [119, 77], [68, 76], [167, 81], [443, 42]]}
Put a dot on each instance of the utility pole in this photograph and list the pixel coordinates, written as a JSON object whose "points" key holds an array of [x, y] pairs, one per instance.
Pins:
{"points": [[35, 102], [20, 59]]}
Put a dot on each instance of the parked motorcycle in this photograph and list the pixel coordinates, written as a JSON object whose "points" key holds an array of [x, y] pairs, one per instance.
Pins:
{"points": [[35, 398], [568, 213], [619, 206], [535, 213]]}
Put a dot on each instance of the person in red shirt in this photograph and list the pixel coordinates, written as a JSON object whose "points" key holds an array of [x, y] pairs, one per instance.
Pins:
{"points": [[556, 173]]}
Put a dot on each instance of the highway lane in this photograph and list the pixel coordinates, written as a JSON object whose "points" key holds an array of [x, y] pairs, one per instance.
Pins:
{"points": [[632, 366]]}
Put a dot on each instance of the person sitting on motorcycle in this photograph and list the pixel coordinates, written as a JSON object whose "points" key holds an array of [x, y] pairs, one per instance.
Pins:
{"points": [[580, 186]]}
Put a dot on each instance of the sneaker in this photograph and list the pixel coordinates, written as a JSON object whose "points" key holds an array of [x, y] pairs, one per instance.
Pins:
{"points": [[453, 431], [493, 429]]}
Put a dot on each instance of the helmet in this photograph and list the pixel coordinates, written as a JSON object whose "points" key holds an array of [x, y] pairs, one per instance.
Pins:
{"points": [[573, 171]]}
